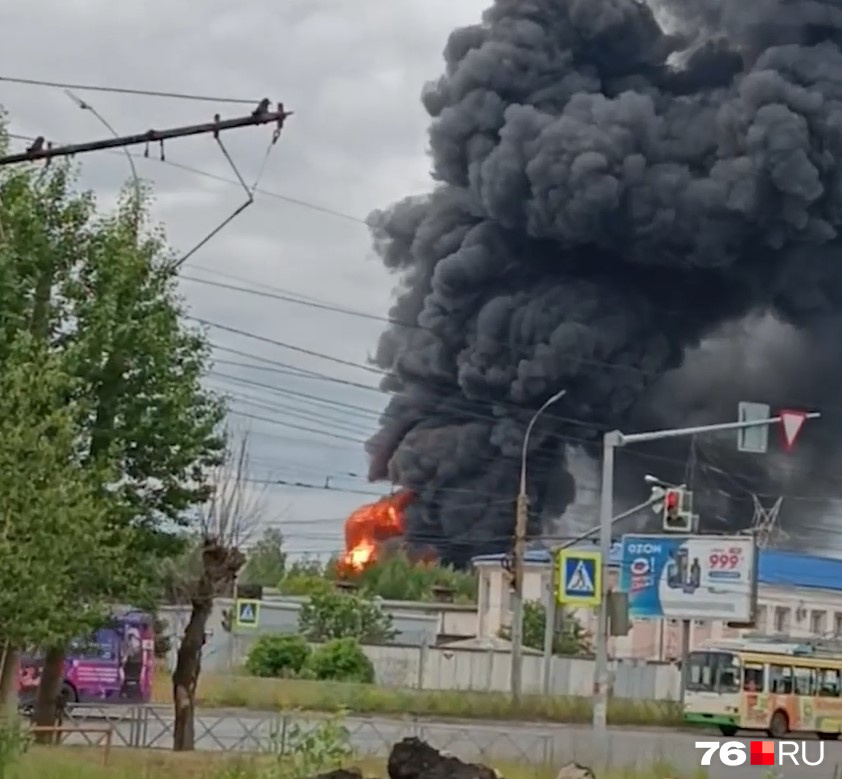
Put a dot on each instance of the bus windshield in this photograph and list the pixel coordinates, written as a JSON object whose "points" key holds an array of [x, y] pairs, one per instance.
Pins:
{"points": [[713, 672]]}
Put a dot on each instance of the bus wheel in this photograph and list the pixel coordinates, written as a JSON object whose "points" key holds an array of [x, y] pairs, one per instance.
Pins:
{"points": [[728, 730], [779, 726]]}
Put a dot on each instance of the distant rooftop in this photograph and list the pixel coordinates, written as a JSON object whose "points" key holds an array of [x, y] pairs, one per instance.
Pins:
{"points": [[784, 569], [542, 556], [799, 570]]}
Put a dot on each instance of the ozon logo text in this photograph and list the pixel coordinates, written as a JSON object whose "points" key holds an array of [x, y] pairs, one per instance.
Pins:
{"points": [[733, 753]]}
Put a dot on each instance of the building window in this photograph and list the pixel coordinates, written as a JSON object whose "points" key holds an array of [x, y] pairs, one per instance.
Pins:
{"points": [[837, 624], [781, 620], [760, 619], [817, 622]]}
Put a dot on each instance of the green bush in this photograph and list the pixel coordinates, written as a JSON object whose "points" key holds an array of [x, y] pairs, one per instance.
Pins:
{"points": [[340, 660], [334, 614], [278, 656]]}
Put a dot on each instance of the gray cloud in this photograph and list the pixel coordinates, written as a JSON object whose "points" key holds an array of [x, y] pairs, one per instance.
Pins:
{"points": [[357, 141]]}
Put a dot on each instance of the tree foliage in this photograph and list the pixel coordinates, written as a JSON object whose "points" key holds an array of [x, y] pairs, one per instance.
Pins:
{"points": [[332, 615], [275, 656], [340, 660], [266, 562], [572, 639], [57, 539], [99, 291], [395, 577], [131, 430]]}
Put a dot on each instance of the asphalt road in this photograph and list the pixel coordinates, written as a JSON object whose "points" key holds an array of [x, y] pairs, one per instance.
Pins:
{"points": [[506, 742]]}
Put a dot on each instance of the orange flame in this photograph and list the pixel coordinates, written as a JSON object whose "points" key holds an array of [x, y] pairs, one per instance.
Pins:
{"points": [[370, 525]]}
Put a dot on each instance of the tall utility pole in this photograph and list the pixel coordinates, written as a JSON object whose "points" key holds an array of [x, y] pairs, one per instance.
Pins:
{"points": [[41, 150], [612, 441], [521, 521]]}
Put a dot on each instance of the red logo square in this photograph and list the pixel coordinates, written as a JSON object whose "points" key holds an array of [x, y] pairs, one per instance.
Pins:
{"points": [[762, 753]]}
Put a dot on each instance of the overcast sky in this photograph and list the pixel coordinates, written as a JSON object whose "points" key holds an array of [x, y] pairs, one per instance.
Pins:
{"points": [[352, 73]]}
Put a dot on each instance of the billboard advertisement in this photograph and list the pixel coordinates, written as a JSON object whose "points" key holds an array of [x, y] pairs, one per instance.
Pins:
{"points": [[689, 577]]}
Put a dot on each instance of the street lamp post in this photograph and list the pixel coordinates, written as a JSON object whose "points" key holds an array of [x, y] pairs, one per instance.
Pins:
{"points": [[612, 441], [519, 552]]}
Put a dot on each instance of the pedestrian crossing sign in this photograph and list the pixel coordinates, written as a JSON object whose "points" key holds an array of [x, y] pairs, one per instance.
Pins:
{"points": [[248, 613], [579, 577]]}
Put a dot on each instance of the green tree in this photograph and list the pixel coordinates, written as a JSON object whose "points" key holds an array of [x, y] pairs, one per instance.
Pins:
{"points": [[99, 292], [336, 615], [396, 577], [57, 538], [572, 639], [266, 562], [306, 577]]}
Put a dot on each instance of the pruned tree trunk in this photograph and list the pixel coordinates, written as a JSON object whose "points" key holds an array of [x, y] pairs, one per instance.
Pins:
{"points": [[222, 523], [185, 678], [9, 681], [49, 704]]}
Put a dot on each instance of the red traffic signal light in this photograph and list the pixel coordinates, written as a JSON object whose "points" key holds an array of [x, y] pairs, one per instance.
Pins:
{"points": [[675, 515]]}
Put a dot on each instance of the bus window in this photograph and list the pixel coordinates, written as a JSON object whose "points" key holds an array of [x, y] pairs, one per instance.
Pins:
{"points": [[805, 681], [828, 683], [780, 679], [712, 672], [728, 679], [753, 678]]}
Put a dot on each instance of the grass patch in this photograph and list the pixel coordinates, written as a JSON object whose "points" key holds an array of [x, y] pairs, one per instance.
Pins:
{"points": [[86, 763], [229, 691]]}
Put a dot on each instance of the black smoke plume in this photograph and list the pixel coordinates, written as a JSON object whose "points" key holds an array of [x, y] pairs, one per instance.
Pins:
{"points": [[637, 203]]}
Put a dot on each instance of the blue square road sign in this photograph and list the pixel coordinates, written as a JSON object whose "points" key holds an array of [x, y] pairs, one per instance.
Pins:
{"points": [[248, 613], [579, 577]]}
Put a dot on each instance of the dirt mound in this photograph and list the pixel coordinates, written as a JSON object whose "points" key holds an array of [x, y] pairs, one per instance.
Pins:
{"points": [[414, 759]]}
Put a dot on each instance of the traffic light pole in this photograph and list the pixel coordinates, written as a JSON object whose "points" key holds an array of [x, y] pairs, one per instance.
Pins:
{"points": [[612, 441]]}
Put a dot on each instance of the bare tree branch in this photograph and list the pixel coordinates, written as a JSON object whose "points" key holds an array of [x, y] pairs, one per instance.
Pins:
{"points": [[234, 510]]}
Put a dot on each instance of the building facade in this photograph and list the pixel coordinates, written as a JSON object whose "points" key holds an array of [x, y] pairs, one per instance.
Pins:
{"points": [[799, 595]]}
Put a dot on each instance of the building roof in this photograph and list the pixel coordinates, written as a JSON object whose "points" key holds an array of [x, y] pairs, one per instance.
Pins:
{"points": [[543, 556], [774, 567], [799, 570]]}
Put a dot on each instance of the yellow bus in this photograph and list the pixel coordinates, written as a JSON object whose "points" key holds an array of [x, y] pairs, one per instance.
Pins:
{"points": [[776, 684]]}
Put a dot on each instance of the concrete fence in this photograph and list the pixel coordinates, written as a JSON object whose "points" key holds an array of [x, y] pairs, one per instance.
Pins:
{"points": [[481, 670], [445, 668], [426, 667]]}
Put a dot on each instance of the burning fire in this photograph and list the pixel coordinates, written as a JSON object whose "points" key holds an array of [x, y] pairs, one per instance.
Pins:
{"points": [[369, 526]]}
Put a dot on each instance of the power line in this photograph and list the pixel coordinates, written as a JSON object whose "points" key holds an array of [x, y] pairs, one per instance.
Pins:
{"points": [[284, 345], [33, 82], [39, 150], [233, 182]]}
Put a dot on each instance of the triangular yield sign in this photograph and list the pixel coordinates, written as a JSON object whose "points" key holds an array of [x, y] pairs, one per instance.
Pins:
{"points": [[791, 424]]}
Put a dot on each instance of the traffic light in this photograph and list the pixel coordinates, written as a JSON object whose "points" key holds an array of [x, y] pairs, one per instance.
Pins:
{"points": [[678, 510]]}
